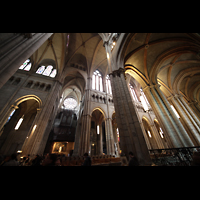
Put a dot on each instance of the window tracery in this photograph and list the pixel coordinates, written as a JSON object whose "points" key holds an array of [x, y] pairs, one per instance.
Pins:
{"points": [[47, 71], [144, 96], [69, 103], [133, 93], [108, 85], [26, 65], [97, 81]]}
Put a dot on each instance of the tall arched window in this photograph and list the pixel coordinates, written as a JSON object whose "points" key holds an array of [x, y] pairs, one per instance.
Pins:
{"points": [[108, 85], [26, 65], [144, 96], [47, 71], [133, 93], [97, 81]]}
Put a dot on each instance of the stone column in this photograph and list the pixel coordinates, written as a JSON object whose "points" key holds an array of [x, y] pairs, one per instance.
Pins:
{"points": [[36, 138], [109, 137], [189, 110], [186, 119], [170, 134], [185, 139], [20, 48], [117, 149], [85, 135], [84, 141], [130, 132], [77, 137], [100, 141]]}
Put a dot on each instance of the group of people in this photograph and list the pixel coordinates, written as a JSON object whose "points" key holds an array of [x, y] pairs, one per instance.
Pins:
{"points": [[46, 160], [50, 160]]}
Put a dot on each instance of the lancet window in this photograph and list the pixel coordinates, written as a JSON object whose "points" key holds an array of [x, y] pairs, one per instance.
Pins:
{"points": [[133, 93], [97, 81], [108, 85], [47, 71], [26, 65]]}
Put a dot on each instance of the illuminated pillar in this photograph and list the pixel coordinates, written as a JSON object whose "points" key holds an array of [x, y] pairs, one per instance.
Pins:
{"points": [[185, 139], [130, 132], [187, 120], [161, 114], [109, 137]]}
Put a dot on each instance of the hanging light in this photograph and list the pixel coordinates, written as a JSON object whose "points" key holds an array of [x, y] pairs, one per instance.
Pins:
{"points": [[97, 129], [144, 104], [19, 123]]}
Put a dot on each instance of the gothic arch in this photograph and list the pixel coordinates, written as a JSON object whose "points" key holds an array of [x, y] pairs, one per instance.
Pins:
{"points": [[174, 51], [137, 75], [181, 75], [28, 97], [149, 135], [101, 110]]}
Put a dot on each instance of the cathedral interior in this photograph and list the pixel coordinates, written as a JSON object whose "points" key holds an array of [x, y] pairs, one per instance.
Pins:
{"points": [[100, 93]]}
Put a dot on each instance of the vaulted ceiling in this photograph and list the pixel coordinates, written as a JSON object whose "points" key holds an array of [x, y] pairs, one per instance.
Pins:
{"points": [[170, 59], [84, 54], [52, 51]]}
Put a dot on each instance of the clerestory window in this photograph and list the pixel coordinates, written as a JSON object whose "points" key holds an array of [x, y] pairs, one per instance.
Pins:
{"points": [[26, 65], [108, 85], [133, 93], [47, 71], [97, 81]]}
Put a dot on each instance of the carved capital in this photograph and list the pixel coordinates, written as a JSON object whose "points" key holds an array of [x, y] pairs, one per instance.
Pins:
{"points": [[118, 72], [105, 43], [147, 88], [14, 106]]}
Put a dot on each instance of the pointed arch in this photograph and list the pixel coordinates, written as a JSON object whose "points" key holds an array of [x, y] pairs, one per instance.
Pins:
{"points": [[101, 110], [137, 75], [28, 97]]}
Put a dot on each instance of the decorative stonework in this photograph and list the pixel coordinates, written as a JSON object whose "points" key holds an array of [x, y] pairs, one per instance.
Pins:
{"points": [[118, 72]]}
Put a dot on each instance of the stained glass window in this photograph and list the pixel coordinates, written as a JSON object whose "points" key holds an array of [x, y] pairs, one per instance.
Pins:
{"points": [[47, 71], [70, 103], [133, 93], [10, 115], [26, 65], [108, 85], [142, 93], [97, 81], [40, 69], [53, 74], [93, 82]]}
